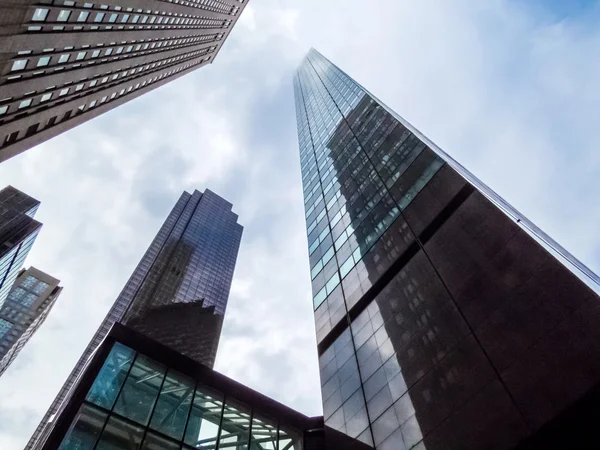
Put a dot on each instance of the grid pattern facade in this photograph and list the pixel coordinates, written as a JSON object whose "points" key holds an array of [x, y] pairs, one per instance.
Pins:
{"points": [[18, 231], [191, 259], [136, 402], [432, 306], [28, 304], [64, 62]]}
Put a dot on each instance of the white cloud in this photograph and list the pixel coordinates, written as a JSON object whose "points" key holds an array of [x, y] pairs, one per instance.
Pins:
{"points": [[509, 90]]}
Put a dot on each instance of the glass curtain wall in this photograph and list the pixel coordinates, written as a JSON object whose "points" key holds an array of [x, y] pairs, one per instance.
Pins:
{"points": [[136, 403]]}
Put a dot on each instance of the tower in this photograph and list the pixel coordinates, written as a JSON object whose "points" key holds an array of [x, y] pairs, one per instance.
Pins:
{"points": [[444, 318], [18, 231], [184, 278], [28, 304]]}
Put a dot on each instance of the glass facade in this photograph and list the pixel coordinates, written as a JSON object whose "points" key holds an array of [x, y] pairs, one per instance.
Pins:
{"points": [[18, 231], [432, 305], [178, 293], [136, 403], [26, 307]]}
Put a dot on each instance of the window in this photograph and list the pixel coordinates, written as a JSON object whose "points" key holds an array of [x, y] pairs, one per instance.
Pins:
{"points": [[25, 103], [3, 109], [143, 384], [99, 17], [63, 16], [113, 18], [79, 87], [40, 15], [64, 58], [19, 64], [80, 56], [93, 83], [108, 51], [85, 429], [83, 15], [63, 92], [43, 61], [111, 376], [93, 103], [173, 405]]}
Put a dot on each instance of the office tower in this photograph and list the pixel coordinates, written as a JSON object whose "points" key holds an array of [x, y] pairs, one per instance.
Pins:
{"points": [[28, 304], [64, 62], [444, 318], [185, 275], [18, 231]]}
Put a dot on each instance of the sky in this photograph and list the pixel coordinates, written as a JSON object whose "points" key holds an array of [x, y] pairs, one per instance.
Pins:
{"points": [[508, 88]]}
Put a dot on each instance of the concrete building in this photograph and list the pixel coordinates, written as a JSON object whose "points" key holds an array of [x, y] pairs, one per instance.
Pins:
{"points": [[444, 318], [63, 62], [28, 304]]}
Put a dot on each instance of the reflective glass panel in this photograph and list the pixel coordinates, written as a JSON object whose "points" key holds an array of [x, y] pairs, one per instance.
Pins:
{"points": [[264, 434], [205, 416], [85, 429], [111, 377], [139, 393], [173, 405], [155, 442], [289, 440], [235, 426], [120, 435]]}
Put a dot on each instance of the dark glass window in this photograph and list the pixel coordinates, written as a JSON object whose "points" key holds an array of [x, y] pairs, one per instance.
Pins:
{"points": [[106, 387], [140, 391]]}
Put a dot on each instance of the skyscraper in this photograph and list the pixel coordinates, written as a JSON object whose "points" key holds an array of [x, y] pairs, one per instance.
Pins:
{"points": [[18, 231], [444, 318], [65, 62], [28, 304], [184, 276]]}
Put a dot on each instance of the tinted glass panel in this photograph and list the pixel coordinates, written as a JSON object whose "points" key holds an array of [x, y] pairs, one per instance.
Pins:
{"points": [[155, 442], [264, 434], [235, 426], [111, 377], [173, 405], [120, 435], [205, 416], [140, 390], [85, 429]]}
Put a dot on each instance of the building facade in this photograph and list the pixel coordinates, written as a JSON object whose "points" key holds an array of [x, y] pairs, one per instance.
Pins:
{"points": [[18, 231], [444, 319], [28, 304], [186, 275], [136, 394], [63, 62]]}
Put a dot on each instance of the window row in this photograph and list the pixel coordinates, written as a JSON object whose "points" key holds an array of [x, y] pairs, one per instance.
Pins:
{"points": [[53, 92], [31, 130]]}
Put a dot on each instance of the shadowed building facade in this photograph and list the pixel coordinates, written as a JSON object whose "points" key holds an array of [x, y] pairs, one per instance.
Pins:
{"points": [[18, 231], [178, 292], [444, 319], [28, 304], [64, 62]]}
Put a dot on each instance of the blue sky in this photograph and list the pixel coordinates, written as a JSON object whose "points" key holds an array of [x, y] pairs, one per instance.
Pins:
{"points": [[508, 88]]}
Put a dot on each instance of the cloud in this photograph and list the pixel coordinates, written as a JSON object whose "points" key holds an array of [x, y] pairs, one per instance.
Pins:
{"points": [[509, 89]]}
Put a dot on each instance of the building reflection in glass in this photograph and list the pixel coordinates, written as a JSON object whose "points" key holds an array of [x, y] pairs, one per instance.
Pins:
{"points": [[432, 306]]}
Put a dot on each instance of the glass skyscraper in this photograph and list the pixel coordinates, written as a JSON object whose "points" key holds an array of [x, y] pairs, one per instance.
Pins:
{"points": [[18, 231], [178, 293], [444, 319], [28, 304]]}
